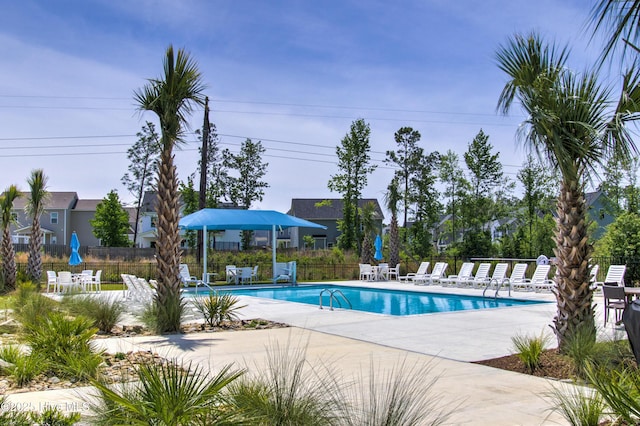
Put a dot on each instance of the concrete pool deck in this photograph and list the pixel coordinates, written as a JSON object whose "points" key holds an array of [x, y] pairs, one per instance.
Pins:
{"points": [[351, 340]]}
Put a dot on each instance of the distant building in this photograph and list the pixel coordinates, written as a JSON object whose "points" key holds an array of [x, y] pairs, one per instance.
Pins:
{"points": [[325, 212]]}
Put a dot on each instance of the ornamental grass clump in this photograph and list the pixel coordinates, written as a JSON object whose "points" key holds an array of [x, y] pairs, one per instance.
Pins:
{"points": [[165, 393], [105, 312], [66, 344], [529, 349], [578, 405]]}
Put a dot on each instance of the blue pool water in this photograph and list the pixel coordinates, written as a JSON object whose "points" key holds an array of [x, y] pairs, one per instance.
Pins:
{"points": [[381, 301]]}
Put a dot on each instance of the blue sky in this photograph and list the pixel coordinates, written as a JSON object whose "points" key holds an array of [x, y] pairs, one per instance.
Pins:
{"points": [[293, 74]]}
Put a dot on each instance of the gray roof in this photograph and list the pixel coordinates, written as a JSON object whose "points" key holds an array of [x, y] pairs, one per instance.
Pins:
{"points": [[330, 209], [57, 200]]}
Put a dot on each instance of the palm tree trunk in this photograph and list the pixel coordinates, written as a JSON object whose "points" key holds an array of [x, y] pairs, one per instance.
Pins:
{"points": [[573, 253], [8, 260], [34, 265], [394, 242], [168, 253]]}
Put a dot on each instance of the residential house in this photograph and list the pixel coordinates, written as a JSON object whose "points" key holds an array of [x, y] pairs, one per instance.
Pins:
{"points": [[325, 212], [64, 213], [148, 232], [56, 221]]}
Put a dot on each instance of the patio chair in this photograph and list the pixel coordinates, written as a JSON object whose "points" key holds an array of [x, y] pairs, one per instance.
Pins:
{"points": [[438, 272], [481, 276], [65, 282], [231, 273], [366, 272], [52, 281], [466, 271], [394, 272], [422, 269], [614, 298], [593, 277], [245, 274], [94, 284]]}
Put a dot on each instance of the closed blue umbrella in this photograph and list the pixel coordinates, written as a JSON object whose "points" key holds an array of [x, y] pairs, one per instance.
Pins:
{"points": [[75, 258], [378, 245]]}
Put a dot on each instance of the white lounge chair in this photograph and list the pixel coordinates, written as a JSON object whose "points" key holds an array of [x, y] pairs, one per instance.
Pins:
{"points": [[422, 269], [593, 277], [540, 279], [499, 275], [481, 276], [186, 278], [438, 272], [517, 276], [465, 273], [615, 274]]}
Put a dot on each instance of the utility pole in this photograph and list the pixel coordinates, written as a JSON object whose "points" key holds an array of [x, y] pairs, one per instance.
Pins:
{"points": [[204, 166]]}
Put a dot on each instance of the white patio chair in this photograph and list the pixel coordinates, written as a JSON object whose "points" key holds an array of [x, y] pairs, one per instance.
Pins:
{"points": [[394, 272], [52, 281], [231, 273], [94, 284], [65, 282], [245, 274], [366, 272]]}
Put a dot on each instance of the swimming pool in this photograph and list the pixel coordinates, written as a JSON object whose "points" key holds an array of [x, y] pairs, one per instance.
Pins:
{"points": [[381, 301]]}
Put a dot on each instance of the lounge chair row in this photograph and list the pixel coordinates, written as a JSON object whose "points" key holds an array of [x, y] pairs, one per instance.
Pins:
{"points": [[515, 281]]}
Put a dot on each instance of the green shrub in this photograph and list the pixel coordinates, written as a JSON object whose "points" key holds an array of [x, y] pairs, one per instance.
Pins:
{"points": [[529, 349], [218, 307], [52, 416]]}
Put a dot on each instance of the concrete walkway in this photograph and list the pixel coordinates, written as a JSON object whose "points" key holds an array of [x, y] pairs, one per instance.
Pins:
{"points": [[350, 340]]}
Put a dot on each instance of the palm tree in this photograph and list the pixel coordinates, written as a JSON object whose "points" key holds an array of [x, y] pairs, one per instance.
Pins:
{"points": [[622, 19], [35, 207], [573, 124], [172, 98], [8, 255], [391, 198], [367, 213]]}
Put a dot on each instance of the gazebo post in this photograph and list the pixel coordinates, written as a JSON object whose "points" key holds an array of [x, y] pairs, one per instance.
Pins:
{"points": [[273, 249], [205, 243]]}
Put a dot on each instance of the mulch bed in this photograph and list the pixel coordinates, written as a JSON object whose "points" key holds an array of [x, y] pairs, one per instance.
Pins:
{"points": [[554, 365]]}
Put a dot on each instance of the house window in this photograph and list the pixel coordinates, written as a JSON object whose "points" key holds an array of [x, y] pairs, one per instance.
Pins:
{"points": [[54, 240], [601, 214], [154, 222], [54, 218]]}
